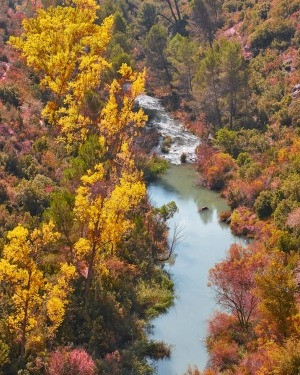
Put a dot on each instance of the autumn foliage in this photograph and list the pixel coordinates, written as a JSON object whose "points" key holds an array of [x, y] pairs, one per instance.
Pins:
{"points": [[74, 272], [65, 361], [80, 245], [215, 168]]}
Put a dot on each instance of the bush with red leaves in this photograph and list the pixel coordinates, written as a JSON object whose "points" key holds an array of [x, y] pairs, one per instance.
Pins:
{"points": [[70, 362]]}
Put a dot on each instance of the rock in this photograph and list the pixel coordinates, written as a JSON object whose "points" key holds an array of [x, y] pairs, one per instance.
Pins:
{"points": [[205, 208], [296, 87], [183, 158], [296, 91]]}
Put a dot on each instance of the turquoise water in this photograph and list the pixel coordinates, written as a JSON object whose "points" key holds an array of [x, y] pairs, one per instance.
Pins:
{"points": [[205, 242]]}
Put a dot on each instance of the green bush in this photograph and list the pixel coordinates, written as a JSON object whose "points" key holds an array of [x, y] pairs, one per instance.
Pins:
{"points": [[291, 187], [148, 15], [279, 29], [61, 211], [267, 202], [89, 154], [33, 195], [263, 204], [3, 193], [233, 6], [4, 353], [10, 95], [263, 10], [154, 168], [252, 170], [286, 242], [284, 208], [41, 144], [228, 141], [243, 159]]}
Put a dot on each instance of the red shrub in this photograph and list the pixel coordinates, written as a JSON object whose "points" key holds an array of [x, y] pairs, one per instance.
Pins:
{"points": [[233, 281], [244, 223], [223, 354], [70, 362], [220, 323], [216, 168], [244, 193]]}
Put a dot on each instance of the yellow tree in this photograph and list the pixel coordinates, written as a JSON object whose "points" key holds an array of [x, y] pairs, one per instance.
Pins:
{"points": [[104, 211], [118, 121], [66, 47], [277, 289], [28, 287], [113, 190]]}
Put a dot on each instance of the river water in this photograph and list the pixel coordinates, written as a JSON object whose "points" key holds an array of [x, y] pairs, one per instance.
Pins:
{"points": [[205, 242]]}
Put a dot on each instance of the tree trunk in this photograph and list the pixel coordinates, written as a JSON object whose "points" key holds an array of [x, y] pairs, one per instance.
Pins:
{"points": [[165, 65], [231, 111], [24, 323], [216, 102], [177, 9], [90, 270], [172, 11], [190, 79]]}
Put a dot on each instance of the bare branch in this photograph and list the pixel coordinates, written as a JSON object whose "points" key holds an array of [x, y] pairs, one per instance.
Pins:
{"points": [[166, 18], [177, 237]]}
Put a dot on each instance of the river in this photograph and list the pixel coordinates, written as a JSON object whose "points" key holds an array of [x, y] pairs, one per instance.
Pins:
{"points": [[205, 242]]}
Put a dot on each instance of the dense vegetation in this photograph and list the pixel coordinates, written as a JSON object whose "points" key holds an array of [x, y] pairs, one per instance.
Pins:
{"points": [[81, 246], [231, 72]]}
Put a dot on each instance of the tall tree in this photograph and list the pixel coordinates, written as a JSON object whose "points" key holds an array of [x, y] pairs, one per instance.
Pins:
{"points": [[205, 16], [156, 44], [114, 189], [208, 85], [233, 280], [182, 53], [170, 11], [233, 77], [30, 288], [147, 16], [277, 290], [66, 47], [222, 79]]}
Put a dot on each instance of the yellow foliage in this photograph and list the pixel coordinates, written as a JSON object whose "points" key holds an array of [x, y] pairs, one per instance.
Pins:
{"points": [[106, 217], [66, 46], [57, 296], [19, 268], [118, 121], [82, 248], [112, 190], [277, 289]]}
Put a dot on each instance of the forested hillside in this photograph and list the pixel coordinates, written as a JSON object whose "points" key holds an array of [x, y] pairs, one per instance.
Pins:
{"points": [[82, 249]]}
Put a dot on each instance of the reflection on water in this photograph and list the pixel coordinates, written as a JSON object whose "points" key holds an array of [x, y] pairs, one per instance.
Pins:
{"points": [[205, 243]]}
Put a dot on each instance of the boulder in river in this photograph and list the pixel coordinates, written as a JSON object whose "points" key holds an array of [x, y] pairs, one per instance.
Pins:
{"points": [[204, 208]]}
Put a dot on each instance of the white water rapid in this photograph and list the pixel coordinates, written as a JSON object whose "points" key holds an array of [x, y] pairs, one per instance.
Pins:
{"points": [[183, 142]]}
